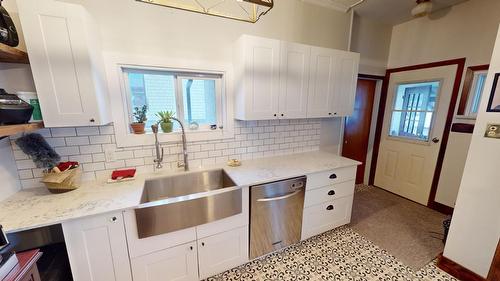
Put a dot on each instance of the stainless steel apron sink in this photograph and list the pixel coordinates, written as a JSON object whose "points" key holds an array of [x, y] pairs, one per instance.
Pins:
{"points": [[186, 200]]}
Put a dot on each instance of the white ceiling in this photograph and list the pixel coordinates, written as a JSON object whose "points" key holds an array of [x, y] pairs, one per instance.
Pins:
{"points": [[388, 11]]}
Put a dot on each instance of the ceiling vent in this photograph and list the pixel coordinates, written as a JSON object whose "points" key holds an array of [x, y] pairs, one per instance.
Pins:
{"points": [[242, 10]]}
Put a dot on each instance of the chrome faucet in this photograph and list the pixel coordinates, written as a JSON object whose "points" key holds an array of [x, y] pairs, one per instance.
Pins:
{"points": [[184, 147], [159, 150]]}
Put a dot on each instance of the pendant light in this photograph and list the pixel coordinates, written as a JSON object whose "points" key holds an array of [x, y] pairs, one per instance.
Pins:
{"points": [[242, 10], [423, 8]]}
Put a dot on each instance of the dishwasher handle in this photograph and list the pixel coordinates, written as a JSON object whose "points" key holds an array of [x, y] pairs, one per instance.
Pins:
{"points": [[280, 197]]}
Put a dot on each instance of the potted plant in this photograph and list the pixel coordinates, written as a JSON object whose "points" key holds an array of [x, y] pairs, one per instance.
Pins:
{"points": [[166, 120], [140, 117]]}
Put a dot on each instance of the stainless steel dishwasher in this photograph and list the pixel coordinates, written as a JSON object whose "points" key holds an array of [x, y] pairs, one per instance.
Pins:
{"points": [[276, 215]]}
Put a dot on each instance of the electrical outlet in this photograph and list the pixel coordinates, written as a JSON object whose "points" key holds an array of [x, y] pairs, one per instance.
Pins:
{"points": [[109, 154], [492, 131]]}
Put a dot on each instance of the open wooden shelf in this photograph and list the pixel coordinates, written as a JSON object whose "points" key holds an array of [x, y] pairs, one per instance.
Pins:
{"points": [[12, 55], [8, 130]]}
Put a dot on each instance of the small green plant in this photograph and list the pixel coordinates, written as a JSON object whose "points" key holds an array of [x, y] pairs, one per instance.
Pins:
{"points": [[140, 114], [165, 116]]}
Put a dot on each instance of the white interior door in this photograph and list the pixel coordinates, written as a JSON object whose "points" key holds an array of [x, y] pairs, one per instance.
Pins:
{"points": [[414, 120]]}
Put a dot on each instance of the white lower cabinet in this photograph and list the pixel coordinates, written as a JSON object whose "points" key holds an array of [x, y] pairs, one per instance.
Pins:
{"points": [[223, 251], [325, 216], [97, 248], [179, 263]]}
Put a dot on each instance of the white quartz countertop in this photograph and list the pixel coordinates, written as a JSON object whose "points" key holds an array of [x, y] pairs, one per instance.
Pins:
{"points": [[37, 207]]}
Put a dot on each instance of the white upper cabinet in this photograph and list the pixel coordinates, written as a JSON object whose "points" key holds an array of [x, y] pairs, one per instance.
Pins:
{"points": [[257, 71], [346, 81], [321, 82], [294, 80], [313, 82], [66, 62], [97, 248]]}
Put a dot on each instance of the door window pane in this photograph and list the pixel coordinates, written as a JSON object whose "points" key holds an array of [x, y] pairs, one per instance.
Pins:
{"points": [[199, 101], [413, 110]]}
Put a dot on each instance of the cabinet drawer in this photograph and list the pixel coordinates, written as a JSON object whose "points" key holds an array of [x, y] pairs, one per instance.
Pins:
{"points": [[178, 263], [330, 177], [328, 193], [325, 216]]}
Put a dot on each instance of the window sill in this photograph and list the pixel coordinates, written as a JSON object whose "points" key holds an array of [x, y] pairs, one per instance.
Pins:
{"points": [[130, 139]]}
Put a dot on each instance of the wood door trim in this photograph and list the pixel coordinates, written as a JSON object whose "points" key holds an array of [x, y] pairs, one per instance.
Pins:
{"points": [[469, 77], [456, 270], [370, 76], [494, 273], [449, 118]]}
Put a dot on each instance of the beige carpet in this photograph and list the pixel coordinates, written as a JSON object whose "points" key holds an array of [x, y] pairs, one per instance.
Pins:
{"points": [[409, 231]]}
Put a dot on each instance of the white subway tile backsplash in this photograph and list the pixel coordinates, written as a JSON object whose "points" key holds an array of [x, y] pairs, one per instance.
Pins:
{"points": [[71, 141], [87, 131], [63, 132], [88, 145]]}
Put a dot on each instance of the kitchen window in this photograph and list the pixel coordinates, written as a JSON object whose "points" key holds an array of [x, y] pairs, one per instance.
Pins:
{"points": [[195, 97], [413, 110]]}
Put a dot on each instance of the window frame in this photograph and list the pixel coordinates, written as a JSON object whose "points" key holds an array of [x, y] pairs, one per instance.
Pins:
{"points": [[464, 106], [433, 119], [119, 94]]}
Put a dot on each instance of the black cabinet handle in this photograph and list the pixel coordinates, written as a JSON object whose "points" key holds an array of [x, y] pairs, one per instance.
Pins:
{"points": [[329, 208], [203, 244], [191, 248], [331, 192], [333, 176], [329, 113], [282, 114], [92, 120], [275, 114]]}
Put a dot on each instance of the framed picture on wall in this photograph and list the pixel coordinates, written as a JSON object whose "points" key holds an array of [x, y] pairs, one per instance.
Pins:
{"points": [[494, 102]]}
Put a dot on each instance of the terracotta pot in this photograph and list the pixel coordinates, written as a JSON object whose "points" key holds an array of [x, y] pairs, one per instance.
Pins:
{"points": [[138, 128], [167, 127]]}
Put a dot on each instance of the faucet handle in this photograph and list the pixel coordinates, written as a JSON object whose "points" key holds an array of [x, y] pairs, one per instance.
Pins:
{"points": [[161, 157]]}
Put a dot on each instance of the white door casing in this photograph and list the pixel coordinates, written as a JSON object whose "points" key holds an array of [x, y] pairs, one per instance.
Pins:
{"points": [[406, 167]]}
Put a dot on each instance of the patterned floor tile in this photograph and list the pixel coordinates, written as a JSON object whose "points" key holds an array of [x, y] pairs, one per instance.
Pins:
{"points": [[339, 254]]}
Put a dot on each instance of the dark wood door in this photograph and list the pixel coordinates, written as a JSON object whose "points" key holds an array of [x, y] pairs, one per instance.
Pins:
{"points": [[357, 126]]}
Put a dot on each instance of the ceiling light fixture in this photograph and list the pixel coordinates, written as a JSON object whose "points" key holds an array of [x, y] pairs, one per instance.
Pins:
{"points": [[242, 10], [423, 8]]}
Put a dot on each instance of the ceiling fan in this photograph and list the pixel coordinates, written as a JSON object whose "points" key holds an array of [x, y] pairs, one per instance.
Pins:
{"points": [[423, 8]]}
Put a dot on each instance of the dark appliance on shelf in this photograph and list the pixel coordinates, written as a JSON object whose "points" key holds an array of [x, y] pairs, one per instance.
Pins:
{"points": [[8, 32], [14, 110], [7, 258]]}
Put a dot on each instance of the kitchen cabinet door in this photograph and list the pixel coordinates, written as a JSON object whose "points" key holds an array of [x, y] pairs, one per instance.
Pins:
{"points": [[222, 251], [257, 86], [294, 80], [178, 263], [66, 62], [97, 248], [321, 82], [345, 82]]}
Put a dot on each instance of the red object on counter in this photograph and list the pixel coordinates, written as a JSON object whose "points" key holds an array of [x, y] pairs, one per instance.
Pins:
{"points": [[63, 166], [26, 262], [123, 174]]}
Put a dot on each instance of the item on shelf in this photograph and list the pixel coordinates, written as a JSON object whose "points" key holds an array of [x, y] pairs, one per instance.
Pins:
{"points": [[64, 177], [140, 117], [35, 146], [165, 121], [122, 175], [13, 110], [233, 163], [194, 125], [7, 259], [32, 99], [8, 32]]}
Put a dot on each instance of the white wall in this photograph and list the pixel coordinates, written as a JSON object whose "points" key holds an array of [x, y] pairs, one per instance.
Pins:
{"points": [[475, 227], [8, 171], [372, 39], [465, 30]]}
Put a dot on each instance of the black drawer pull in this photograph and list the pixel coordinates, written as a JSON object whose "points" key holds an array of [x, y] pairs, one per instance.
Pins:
{"points": [[333, 176], [331, 192], [329, 208]]}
